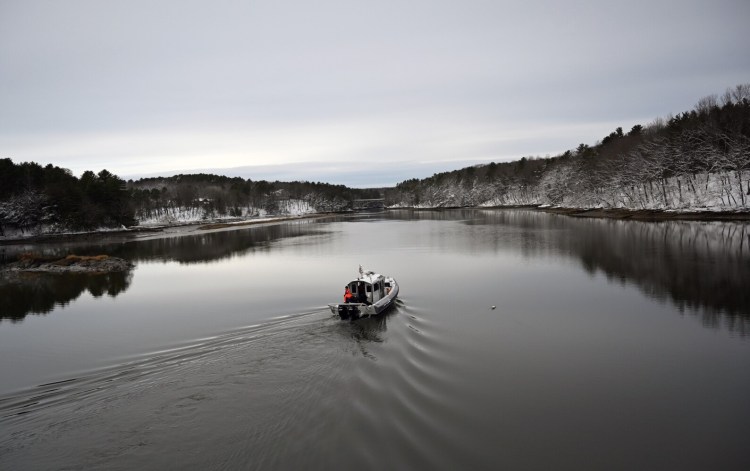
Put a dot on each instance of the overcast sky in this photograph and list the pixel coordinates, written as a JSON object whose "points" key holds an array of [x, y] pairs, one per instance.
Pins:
{"points": [[364, 93]]}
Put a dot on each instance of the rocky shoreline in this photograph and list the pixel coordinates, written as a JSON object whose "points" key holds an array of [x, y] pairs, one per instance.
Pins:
{"points": [[649, 214], [148, 231], [608, 213], [98, 264], [653, 215]]}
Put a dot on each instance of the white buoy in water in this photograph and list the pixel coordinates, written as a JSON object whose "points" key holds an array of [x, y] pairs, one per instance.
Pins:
{"points": [[493, 307]]}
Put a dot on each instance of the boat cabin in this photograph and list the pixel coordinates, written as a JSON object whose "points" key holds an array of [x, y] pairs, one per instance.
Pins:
{"points": [[368, 288]]}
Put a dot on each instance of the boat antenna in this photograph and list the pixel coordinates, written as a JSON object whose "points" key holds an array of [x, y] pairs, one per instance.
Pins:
{"points": [[361, 274]]}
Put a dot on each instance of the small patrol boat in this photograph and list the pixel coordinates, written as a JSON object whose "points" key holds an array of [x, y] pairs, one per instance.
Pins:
{"points": [[367, 295]]}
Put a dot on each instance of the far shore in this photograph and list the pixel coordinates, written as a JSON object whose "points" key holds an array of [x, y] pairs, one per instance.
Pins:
{"points": [[141, 232], [652, 215]]}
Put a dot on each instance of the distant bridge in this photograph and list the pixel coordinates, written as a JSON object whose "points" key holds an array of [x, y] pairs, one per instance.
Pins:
{"points": [[374, 204]]}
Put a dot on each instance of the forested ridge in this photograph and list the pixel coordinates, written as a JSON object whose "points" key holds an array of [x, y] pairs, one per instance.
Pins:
{"points": [[696, 159], [32, 197], [51, 199], [214, 196], [699, 158]]}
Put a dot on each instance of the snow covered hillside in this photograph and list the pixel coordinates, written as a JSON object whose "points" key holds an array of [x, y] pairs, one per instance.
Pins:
{"points": [[186, 214], [562, 187]]}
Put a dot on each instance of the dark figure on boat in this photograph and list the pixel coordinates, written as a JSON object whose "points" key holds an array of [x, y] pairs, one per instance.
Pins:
{"points": [[361, 293]]}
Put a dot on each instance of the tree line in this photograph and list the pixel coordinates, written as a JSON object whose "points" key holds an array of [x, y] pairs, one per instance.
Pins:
{"points": [[32, 196], [210, 196], [51, 199], [694, 159]]}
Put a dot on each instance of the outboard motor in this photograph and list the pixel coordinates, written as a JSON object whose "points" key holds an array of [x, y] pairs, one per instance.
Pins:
{"points": [[349, 311]]}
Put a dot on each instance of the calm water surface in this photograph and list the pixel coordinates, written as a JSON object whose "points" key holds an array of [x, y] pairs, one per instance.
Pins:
{"points": [[613, 345]]}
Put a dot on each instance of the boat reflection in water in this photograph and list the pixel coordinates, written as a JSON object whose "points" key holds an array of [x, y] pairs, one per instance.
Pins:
{"points": [[368, 330]]}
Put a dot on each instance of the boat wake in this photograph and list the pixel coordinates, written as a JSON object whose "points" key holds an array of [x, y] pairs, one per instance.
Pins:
{"points": [[286, 393], [83, 386]]}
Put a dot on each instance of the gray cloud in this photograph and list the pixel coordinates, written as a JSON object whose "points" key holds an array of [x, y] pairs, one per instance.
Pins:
{"points": [[143, 86]]}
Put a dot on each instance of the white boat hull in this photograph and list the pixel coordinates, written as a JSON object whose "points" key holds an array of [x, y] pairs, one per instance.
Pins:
{"points": [[357, 310]]}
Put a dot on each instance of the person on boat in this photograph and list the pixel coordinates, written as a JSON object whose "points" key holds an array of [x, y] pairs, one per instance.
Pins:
{"points": [[347, 295]]}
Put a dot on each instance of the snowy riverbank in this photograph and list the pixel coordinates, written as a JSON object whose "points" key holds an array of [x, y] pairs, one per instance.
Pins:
{"points": [[158, 219], [152, 229], [565, 187]]}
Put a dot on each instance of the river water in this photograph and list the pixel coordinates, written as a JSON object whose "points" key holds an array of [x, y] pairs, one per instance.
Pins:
{"points": [[611, 345]]}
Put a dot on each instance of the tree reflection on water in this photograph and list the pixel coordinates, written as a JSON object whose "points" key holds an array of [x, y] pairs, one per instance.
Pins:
{"points": [[701, 267], [40, 293]]}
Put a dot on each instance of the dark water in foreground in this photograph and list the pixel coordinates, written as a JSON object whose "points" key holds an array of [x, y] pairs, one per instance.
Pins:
{"points": [[613, 345]]}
